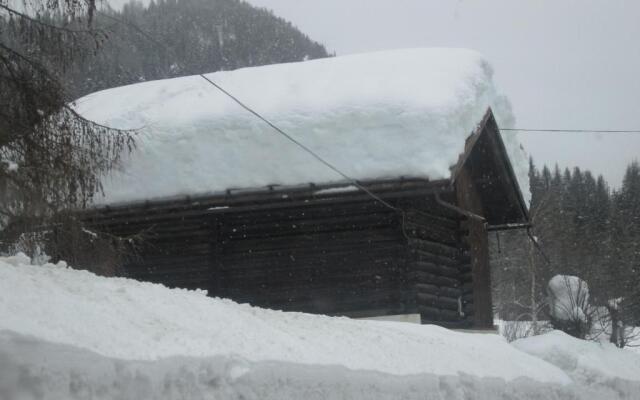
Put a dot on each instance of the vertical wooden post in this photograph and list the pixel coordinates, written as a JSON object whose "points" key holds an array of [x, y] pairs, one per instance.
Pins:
{"points": [[470, 200], [481, 275], [215, 258]]}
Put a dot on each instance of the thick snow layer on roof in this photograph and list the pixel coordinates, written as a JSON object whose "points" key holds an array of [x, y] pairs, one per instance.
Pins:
{"points": [[378, 115], [127, 319]]}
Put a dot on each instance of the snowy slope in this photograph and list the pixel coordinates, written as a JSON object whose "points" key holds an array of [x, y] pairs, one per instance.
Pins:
{"points": [[583, 360], [70, 334], [34, 369], [128, 319], [378, 115]]}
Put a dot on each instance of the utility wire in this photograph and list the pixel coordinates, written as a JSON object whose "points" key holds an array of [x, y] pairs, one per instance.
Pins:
{"points": [[570, 130], [534, 240], [249, 109], [302, 146]]}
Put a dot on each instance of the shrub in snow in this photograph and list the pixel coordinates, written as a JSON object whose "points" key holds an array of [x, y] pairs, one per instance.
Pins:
{"points": [[66, 237], [520, 329], [568, 299], [613, 322]]}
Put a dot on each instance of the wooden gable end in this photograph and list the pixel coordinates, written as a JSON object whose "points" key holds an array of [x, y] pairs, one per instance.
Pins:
{"points": [[485, 170]]}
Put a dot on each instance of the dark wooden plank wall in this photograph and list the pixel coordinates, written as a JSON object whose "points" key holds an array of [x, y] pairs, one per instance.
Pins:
{"points": [[176, 252], [343, 255], [440, 264], [342, 259]]}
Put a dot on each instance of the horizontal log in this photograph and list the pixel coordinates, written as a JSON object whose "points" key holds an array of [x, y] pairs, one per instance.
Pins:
{"points": [[307, 279], [435, 269], [258, 201], [430, 300], [297, 230], [309, 276], [440, 249], [176, 248], [387, 309], [177, 280], [329, 298], [467, 287], [425, 277], [141, 221], [420, 255], [466, 277], [453, 293], [317, 243], [367, 251], [342, 261], [432, 218], [177, 266], [461, 324], [166, 229], [320, 213], [421, 233], [342, 238], [438, 314], [464, 268]]}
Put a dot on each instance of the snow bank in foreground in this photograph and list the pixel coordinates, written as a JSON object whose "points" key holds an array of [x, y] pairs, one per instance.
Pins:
{"points": [[378, 115], [132, 320], [70, 334], [32, 369]]}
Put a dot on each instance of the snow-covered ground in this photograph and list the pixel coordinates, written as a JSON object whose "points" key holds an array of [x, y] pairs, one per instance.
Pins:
{"points": [[585, 361], [70, 334], [379, 115]]}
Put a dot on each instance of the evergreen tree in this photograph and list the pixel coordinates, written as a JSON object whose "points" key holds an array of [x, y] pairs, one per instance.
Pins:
{"points": [[171, 38], [624, 273], [586, 231], [50, 157]]}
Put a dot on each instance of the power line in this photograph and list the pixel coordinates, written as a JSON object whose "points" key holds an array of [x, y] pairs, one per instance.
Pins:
{"points": [[571, 130], [302, 146], [277, 129]]}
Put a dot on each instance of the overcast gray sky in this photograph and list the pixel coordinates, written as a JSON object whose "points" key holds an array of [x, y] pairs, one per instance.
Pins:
{"points": [[563, 63]]}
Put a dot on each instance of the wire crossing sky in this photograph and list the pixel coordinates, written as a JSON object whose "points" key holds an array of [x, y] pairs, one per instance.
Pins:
{"points": [[565, 64], [570, 130]]}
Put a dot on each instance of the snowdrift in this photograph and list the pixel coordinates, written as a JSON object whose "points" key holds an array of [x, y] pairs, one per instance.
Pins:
{"points": [[54, 371], [128, 319], [585, 361], [70, 334], [379, 115]]}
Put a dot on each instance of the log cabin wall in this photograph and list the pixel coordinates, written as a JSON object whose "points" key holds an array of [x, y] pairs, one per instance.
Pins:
{"points": [[338, 259], [307, 250], [439, 263]]}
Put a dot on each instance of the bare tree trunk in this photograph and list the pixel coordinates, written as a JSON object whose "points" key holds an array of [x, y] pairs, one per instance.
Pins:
{"points": [[617, 327]]}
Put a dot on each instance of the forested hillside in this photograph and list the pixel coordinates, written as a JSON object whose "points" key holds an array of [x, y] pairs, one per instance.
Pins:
{"points": [[583, 229], [172, 38], [52, 160]]}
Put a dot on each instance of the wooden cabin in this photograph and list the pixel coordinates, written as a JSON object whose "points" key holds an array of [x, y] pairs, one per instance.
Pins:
{"points": [[334, 249]]}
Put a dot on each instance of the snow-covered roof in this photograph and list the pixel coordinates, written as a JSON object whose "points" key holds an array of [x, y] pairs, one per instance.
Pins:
{"points": [[401, 113]]}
